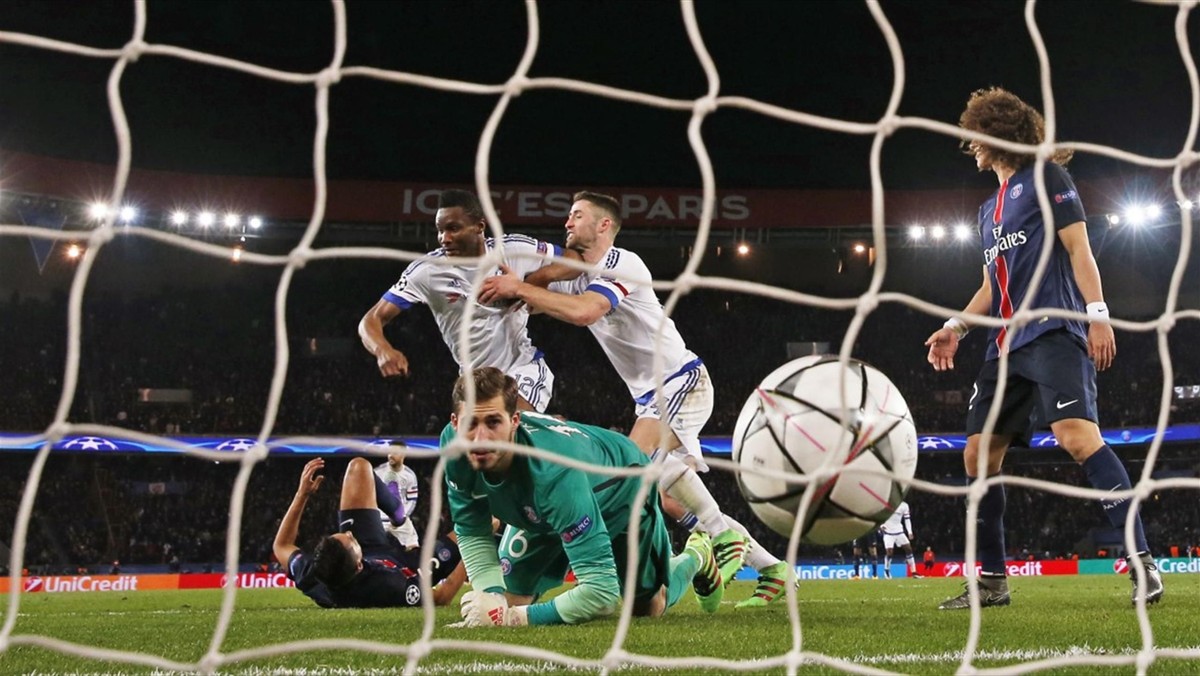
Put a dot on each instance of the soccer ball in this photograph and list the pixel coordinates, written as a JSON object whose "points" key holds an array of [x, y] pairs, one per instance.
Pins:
{"points": [[798, 422]]}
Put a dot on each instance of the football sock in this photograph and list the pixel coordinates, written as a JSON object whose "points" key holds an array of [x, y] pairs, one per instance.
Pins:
{"points": [[990, 534], [682, 569], [1105, 472], [912, 563], [682, 483], [758, 558], [690, 522], [388, 502]]}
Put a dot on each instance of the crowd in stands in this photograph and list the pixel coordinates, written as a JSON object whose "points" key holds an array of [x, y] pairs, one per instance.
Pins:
{"points": [[221, 347]]}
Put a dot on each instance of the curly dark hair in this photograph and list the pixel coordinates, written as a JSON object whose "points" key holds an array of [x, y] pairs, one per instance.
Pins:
{"points": [[332, 563], [998, 112]]}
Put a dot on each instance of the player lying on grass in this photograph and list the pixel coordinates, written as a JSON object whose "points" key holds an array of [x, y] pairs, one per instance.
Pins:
{"points": [[559, 518], [361, 566]]}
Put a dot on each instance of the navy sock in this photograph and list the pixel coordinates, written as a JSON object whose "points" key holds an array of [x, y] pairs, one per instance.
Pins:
{"points": [[990, 534], [388, 503], [1105, 472]]}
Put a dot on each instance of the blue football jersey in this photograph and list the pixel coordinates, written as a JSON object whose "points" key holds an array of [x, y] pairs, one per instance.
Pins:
{"points": [[1012, 230]]}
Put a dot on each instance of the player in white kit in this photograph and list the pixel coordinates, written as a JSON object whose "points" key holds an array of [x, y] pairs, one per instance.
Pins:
{"points": [[497, 337], [897, 530], [401, 482], [618, 304]]}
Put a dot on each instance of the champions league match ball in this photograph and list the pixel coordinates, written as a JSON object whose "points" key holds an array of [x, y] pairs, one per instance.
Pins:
{"points": [[798, 422]]}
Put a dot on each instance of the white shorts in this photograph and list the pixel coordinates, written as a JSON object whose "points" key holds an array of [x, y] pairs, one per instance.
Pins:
{"points": [[689, 399], [535, 383], [891, 541]]}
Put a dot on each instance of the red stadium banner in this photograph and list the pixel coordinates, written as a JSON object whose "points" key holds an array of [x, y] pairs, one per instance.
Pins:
{"points": [[362, 201], [1013, 568]]}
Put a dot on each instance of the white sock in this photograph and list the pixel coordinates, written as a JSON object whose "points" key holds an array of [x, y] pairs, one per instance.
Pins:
{"points": [[912, 563], [887, 564], [682, 483], [757, 557]]}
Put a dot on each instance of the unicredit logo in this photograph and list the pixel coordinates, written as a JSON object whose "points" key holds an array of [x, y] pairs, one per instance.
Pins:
{"points": [[86, 583], [1120, 566], [33, 584], [260, 580], [952, 569]]}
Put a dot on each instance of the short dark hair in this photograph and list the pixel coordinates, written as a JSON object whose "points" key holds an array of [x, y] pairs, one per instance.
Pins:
{"points": [[332, 563], [489, 382], [464, 199], [607, 203], [995, 111]]}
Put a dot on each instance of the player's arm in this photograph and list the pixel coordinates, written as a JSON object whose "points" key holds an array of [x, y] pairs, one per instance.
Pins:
{"points": [[586, 541], [447, 589], [581, 310], [391, 361], [285, 537], [943, 344], [1102, 343], [555, 272]]}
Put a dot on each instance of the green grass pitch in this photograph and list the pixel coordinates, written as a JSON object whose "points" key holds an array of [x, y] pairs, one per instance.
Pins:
{"points": [[890, 625]]}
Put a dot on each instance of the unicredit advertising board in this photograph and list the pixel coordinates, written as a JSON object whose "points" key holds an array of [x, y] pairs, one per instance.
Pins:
{"points": [[1013, 568], [36, 584]]}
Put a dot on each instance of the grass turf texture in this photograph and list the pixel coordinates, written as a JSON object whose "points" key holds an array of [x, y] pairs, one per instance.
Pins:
{"points": [[884, 624]]}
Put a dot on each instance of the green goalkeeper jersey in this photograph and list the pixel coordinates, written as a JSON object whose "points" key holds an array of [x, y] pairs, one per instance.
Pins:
{"points": [[585, 510]]}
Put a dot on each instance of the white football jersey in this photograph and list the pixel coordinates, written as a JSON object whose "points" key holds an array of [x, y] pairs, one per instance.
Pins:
{"points": [[497, 336], [409, 489], [899, 523], [628, 332]]}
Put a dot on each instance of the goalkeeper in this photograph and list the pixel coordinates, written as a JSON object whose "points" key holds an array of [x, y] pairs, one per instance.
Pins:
{"points": [[558, 518]]}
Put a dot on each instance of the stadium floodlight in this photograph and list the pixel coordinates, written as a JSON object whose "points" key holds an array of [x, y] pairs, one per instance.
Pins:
{"points": [[743, 249], [962, 232], [178, 217], [1136, 215], [74, 251], [1114, 219], [916, 232], [98, 210], [236, 256], [206, 219], [937, 232], [255, 222], [859, 247], [232, 220], [128, 214], [1153, 212]]}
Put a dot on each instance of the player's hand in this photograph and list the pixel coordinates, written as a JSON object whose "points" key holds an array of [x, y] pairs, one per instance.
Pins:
{"points": [[489, 609], [942, 346], [392, 362], [503, 286], [1102, 344], [310, 481]]}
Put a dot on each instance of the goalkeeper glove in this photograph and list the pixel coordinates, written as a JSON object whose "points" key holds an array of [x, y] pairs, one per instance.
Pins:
{"points": [[489, 609]]}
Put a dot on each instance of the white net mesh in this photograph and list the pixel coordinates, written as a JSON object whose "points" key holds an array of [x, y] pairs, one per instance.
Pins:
{"points": [[325, 80]]}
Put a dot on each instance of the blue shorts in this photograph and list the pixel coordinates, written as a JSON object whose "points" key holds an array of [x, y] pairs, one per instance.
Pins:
{"points": [[1053, 372]]}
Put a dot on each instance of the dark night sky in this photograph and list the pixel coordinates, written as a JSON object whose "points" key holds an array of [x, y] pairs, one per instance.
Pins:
{"points": [[1118, 78]]}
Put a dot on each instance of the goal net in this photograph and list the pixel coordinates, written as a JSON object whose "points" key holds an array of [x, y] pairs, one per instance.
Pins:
{"points": [[698, 107]]}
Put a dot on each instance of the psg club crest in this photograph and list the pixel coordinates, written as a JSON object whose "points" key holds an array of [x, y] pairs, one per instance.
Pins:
{"points": [[1016, 191]]}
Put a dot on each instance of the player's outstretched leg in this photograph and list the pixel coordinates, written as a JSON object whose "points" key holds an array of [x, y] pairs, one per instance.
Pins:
{"points": [[993, 591], [707, 579], [887, 565]]}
